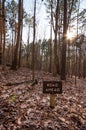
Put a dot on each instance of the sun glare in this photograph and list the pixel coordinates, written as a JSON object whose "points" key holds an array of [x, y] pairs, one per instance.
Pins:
{"points": [[70, 35]]}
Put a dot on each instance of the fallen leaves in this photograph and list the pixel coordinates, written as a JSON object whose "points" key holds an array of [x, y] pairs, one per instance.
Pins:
{"points": [[25, 107]]}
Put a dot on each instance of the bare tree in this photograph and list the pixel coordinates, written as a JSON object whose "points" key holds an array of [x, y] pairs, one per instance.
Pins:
{"points": [[0, 32], [3, 32], [50, 47], [21, 29], [33, 47], [15, 60], [55, 41], [63, 62]]}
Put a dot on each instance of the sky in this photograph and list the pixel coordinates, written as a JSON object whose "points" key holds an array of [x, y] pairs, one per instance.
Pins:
{"points": [[42, 24], [43, 29]]}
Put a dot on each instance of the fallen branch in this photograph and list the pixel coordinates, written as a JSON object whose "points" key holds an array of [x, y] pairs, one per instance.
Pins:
{"points": [[17, 83]]}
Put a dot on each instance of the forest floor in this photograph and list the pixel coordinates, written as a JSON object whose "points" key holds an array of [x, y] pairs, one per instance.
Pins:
{"points": [[25, 107]]}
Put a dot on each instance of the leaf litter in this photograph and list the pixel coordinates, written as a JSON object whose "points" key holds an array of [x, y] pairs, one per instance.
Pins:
{"points": [[25, 107]]}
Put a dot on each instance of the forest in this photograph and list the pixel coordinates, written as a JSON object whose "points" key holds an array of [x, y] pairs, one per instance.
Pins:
{"points": [[42, 79]]}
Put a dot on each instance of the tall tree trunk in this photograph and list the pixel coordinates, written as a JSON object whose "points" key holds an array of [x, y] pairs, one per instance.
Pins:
{"points": [[0, 32], [50, 62], [68, 61], [80, 59], [55, 41], [76, 45], [33, 47], [21, 29], [63, 67], [59, 44], [12, 48], [15, 60], [3, 33], [28, 48]]}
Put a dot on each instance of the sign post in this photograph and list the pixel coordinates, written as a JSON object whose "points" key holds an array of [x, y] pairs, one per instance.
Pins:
{"points": [[52, 88], [52, 100]]}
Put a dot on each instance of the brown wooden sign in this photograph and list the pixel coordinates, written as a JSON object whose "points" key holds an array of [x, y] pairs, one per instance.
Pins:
{"points": [[52, 87]]}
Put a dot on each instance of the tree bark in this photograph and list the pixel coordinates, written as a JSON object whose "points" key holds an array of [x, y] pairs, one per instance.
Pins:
{"points": [[63, 67], [21, 29], [55, 41], [0, 33], [15, 60], [3, 33], [33, 47], [50, 62]]}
